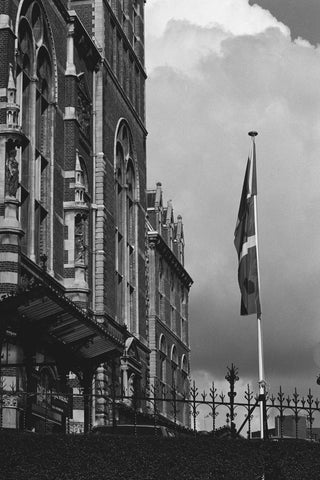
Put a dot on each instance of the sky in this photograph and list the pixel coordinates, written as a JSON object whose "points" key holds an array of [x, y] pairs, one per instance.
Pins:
{"points": [[216, 70]]}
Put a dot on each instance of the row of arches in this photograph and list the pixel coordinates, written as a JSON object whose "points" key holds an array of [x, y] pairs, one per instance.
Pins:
{"points": [[172, 354]]}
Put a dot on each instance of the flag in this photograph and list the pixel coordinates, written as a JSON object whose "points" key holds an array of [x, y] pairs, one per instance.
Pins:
{"points": [[245, 241]]}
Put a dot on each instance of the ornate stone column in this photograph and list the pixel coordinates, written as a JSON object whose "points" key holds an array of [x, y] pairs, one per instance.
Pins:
{"points": [[11, 139], [100, 395]]}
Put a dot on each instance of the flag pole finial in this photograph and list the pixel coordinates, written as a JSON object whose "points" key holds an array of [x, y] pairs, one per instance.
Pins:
{"points": [[253, 134]]}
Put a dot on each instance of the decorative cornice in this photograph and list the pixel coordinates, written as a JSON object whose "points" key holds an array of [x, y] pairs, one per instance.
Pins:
{"points": [[15, 134], [156, 241], [132, 363]]}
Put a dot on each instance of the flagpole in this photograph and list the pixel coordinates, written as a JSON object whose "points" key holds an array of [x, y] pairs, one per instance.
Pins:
{"points": [[262, 382]]}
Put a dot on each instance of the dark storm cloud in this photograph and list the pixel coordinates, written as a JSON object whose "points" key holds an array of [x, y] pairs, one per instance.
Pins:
{"points": [[301, 16]]}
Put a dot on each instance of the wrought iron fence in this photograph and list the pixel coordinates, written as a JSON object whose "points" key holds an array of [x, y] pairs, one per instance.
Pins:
{"points": [[160, 406]]}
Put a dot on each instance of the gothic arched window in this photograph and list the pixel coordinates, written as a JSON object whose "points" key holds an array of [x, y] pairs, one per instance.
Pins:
{"points": [[174, 365], [35, 82], [162, 359], [125, 201], [184, 364]]}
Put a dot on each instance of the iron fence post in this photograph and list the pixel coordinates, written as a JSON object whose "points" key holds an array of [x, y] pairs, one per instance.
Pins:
{"points": [[214, 413], [281, 408], [249, 397], [232, 378], [310, 412], [194, 394], [296, 410]]}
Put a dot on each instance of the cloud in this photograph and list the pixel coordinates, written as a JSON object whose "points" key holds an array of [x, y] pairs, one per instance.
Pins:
{"points": [[202, 101], [234, 16], [302, 17]]}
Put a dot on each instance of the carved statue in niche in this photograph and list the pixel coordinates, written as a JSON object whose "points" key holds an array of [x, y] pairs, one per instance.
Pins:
{"points": [[12, 172], [132, 385], [79, 235]]}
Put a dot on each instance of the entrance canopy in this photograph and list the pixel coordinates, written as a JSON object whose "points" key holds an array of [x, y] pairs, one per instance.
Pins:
{"points": [[41, 314]]}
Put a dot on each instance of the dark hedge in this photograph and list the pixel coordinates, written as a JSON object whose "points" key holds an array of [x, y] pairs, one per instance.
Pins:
{"points": [[71, 457]]}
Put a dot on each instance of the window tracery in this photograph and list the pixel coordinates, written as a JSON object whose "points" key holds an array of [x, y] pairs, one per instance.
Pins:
{"points": [[84, 109], [125, 192], [35, 82]]}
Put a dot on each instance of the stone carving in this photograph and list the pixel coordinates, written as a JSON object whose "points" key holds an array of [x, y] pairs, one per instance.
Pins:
{"points": [[132, 384], [79, 234], [12, 173], [10, 400], [84, 113]]}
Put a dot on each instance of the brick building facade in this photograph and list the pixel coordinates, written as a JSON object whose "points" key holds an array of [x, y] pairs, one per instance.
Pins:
{"points": [[169, 285], [72, 203]]}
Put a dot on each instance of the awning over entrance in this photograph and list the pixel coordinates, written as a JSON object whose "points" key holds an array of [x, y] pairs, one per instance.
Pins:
{"points": [[54, 319]]}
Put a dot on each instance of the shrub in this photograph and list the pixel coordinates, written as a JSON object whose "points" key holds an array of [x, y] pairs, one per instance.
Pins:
{"points": [[96, 457]]}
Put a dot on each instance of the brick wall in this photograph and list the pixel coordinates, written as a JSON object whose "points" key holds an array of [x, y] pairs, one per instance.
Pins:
{"points": [[6, 55], [9, 7], [85, 14]]}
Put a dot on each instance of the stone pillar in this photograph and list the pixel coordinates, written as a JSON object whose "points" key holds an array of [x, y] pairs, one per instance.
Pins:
{"points": [[99, 245], [100, 395], [87, 398], [11, 139], [99, 24], [125, 378], [10, 228], [76, 210], [32, 170], [70, 67]]}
